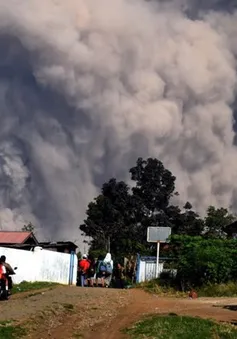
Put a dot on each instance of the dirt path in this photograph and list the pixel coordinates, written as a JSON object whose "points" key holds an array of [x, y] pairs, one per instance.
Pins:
{"points": [[72, 312], [142, 304]]}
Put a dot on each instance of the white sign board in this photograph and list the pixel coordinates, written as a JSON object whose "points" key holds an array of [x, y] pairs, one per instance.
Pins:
{"points": [[158, 234]]}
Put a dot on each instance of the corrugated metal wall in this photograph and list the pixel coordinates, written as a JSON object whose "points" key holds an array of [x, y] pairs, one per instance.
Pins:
{"points": [[147, 269], [42, 265]]}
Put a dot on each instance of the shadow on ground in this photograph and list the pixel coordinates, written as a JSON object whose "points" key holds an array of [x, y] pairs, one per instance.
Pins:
{"points": [[230, 307]]}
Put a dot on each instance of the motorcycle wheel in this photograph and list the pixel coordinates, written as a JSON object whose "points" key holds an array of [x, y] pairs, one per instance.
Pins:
{"points": [[5, 295]]}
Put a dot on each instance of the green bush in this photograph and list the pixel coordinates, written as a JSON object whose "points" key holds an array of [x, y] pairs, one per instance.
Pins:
{"points": [[202, 261], [218, 290], [10, 331]]}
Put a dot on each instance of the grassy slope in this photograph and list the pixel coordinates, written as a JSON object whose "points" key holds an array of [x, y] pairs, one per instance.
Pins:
{"points": [[176, 327], [28, 286], [8, 330], [154, 286]]}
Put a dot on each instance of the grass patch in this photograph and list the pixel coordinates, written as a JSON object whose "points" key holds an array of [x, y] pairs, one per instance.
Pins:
{"points": [[9, 331], [26, 286], [154, 287], [218, 290], [177, 327]]}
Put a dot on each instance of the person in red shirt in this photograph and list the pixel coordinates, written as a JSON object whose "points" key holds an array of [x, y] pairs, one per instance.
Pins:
{"points": [[83, 265]]}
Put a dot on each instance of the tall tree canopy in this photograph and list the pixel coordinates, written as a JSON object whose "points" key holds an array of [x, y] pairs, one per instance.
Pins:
{"points": [[155, 185], [187, 222], [121, 215], [106, 215], [216, 220], [117, 219]]}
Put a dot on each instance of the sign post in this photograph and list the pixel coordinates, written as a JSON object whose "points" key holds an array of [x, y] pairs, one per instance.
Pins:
{"points": [[157, 259], [158, 235]]}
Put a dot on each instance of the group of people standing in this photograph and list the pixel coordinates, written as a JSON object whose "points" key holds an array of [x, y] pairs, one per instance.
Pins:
{"points": [[94, 272]]}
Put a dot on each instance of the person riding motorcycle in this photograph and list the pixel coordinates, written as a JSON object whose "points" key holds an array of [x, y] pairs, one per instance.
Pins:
{"points": [[9, 270]]}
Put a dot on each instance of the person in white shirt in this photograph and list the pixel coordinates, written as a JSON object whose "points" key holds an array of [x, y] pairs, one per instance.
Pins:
{"points": [[110, 265]]}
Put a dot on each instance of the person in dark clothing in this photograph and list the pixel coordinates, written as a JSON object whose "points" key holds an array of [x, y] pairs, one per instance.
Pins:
{"points": [[119, 276], [91, 271], [9, 270], [100, 275], [8, 266]]}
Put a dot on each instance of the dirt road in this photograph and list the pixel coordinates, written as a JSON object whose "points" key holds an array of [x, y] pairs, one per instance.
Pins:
{"points": [[72, 312]]}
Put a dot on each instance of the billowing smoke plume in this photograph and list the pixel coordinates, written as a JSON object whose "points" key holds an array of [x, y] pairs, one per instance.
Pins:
{"points": [[88, 86]]}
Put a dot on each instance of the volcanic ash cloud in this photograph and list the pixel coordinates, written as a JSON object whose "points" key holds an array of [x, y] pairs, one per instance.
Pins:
{"points": [[88, 86]]}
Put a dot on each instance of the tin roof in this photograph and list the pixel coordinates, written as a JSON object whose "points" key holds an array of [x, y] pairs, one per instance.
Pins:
{"points": [[57, 244], [14, 237]]}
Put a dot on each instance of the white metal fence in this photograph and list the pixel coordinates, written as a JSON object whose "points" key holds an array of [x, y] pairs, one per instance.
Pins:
{"points": [[147, 269], [42, 265]]}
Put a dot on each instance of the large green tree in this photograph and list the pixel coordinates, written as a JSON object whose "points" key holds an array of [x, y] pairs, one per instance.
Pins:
{"points": [[216, 220], [187, 222], [107, 214], [121, 215], [154, 186]]}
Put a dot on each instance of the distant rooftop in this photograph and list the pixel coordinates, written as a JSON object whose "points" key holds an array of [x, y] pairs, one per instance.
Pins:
{"points": [[15, 237], [46, 244]]}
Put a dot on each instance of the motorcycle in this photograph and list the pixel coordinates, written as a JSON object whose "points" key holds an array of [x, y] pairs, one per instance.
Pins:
{"points": [[5, 283]]}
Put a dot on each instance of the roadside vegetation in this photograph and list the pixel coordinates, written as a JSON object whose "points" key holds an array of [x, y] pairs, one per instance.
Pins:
{"points": [[10, 331], [210, 290], [203, 264], [207, 266], [154, 286], [201, 249], [26, 286], [218, 290], [176, 327], [117, 219]]}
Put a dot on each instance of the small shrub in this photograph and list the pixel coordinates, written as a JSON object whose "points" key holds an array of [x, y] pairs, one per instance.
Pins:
{"points": [[218, 290], [154, 286], [9, 331]]}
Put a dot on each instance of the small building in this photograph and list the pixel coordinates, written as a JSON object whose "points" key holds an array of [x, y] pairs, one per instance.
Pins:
{"points": [[146, 268], [60, 246], [27, 241], [18, 239]]}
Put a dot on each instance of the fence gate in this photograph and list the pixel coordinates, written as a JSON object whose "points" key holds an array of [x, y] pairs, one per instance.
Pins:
{"points": [[150, 270], [146, 268]]}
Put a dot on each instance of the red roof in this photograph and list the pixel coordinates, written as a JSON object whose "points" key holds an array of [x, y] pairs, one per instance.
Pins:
{"points": [[14, 237]]}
